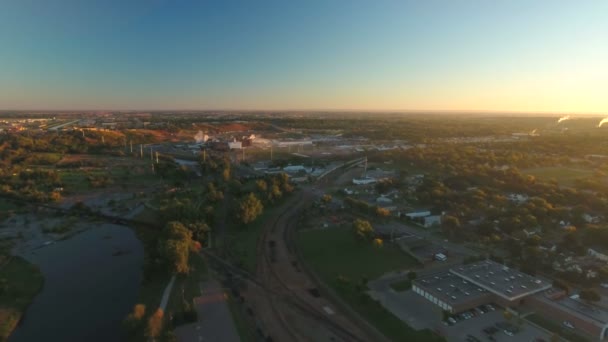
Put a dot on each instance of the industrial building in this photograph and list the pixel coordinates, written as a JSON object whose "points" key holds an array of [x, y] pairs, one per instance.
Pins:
{"points": [[468, 286], [450, 292]]}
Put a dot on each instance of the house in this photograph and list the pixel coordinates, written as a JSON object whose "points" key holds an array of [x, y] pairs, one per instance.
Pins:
{"points": [[518, 198], [384, 199], [532, 232], [590, 218], [420, 213], [431, 220], [597, 255], [364, 180], [424, 217], [294, 168]]}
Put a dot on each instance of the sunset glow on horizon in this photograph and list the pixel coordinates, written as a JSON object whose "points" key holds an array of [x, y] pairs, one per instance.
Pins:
{"points": [[521, 56]]}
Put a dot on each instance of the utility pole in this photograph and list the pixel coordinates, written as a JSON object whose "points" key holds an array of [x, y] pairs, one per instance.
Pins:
{"points": [[131, 143], [141, 151], [156, 157]]}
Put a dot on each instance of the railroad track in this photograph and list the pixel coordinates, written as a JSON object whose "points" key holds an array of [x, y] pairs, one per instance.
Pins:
{"points": [[280, 228]]}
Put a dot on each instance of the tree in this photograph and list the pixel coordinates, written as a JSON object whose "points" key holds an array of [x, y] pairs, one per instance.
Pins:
{"points": [[507, 315], [155, 324], [411, 275], [326, 198], [250, 208], [378, 242], [363, 229], [133, 322], [450, 224], [175, 247], [139, 310], [382, 212], [590, 295]]}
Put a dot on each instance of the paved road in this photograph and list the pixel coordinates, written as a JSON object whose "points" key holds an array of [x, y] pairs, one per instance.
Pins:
{"points": [[214, 318], [165, 298]]}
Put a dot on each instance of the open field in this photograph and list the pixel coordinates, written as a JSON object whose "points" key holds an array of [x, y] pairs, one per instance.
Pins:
{"points": [[563, 175], [336, 251], [20, 281]]}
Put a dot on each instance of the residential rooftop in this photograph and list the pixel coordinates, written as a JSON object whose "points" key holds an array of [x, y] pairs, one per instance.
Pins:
{"points": [[501, 280]]}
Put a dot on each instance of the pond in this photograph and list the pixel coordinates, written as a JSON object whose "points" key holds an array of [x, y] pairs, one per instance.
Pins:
{"points": [[91, 283]]}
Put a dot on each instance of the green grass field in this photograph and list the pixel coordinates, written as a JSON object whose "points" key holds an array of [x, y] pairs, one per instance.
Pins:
{"points": [[563, 175], [336, 252], [20, 281]]}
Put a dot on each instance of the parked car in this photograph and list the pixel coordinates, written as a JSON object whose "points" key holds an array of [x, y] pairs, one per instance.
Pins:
{"points": [[568, 325]]}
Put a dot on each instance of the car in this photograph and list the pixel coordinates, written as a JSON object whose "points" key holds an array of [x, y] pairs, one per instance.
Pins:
{"points": [[568, 325], [508, 332], [471, 338], [451, 320], [491, 307]]}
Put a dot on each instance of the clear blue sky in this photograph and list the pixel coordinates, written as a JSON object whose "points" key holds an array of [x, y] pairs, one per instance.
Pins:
{"points": [[520, 55]]}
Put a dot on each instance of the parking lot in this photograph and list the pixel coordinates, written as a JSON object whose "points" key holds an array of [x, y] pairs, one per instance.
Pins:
{"points": [[419, 313], [493, 321]]}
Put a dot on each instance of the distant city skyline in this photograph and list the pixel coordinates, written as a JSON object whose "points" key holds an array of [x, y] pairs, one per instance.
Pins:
{"points": [[462, 55]]}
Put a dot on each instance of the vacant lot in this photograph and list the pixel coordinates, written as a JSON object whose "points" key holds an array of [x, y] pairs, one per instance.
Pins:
{"points": [[563, 175]]}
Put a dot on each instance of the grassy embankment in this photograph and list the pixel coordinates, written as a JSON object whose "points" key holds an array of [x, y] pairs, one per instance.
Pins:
{"points": [[344, 263], [20, 281]]}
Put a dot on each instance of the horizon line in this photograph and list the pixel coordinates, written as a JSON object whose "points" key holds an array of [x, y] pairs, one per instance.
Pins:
{"points": [[332, 110]]}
